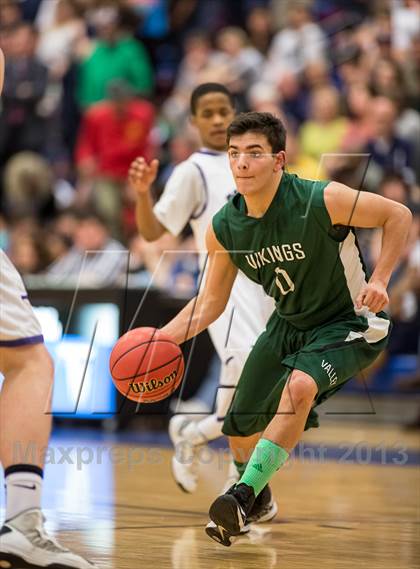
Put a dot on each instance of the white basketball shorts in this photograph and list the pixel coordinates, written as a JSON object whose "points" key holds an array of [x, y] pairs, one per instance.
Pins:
{"points": [[18, 323]]}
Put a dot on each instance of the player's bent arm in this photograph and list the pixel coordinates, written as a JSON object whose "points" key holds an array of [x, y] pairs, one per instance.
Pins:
{"points": [[141, 176], [147, 223], [209, 304], [1, 71], [362, 209]]}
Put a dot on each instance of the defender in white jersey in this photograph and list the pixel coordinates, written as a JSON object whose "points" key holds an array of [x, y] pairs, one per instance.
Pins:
{"points": [[25, 420], [196, 190]]}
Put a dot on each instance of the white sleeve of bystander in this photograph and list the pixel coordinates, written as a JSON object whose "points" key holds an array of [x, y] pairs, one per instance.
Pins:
{"points": [[182, 197]]}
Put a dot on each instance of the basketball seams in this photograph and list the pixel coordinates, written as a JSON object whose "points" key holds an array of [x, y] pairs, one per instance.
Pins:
{"points": [[151, 341]]}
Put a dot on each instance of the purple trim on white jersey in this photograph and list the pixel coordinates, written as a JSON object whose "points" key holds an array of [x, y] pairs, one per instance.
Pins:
{"points": [[22, 341], [206, 192], [209, 152]]}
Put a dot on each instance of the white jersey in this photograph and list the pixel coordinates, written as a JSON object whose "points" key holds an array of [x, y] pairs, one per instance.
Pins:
{"points": [[18, 323], [196, 190]]}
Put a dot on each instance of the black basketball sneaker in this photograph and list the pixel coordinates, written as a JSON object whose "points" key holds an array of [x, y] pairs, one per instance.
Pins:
{"points": [[229, 513]]}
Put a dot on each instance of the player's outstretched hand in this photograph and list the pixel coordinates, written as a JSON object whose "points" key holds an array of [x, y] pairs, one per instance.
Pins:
{"points": [[374, 296], [141, 175]]}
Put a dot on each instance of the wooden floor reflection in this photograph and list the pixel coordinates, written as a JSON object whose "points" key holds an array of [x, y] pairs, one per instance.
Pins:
{"points": [[338, 514]]}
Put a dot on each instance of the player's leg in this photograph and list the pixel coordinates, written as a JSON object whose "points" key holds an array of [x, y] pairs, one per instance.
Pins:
{"points": [[233, 334], [25, 424], [25, 420], [283, 431], [242, 447], [266, 454], [255, 403], [327, 358], [24, 430], [188, 435]]}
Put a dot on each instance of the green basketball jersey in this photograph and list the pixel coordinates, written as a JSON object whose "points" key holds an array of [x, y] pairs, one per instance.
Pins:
{"points": [[313, 270]]}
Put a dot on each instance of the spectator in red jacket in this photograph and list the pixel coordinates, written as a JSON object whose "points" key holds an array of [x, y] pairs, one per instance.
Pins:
{"points": [[112, 134]]}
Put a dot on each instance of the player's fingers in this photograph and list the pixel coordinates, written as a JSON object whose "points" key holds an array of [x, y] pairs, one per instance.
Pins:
{"points": [[383, 301], [140, 170], [360, 298], [154, 165], [377, 307], [373, 307], [378, 302], [380, 307], [132, 177], [370, 297], [136, 162]]}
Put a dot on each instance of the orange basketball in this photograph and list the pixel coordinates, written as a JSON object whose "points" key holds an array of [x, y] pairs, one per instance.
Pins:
{"points": [[146, 365]]}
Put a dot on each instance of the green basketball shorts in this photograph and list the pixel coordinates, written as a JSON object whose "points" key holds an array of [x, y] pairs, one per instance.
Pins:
{"points": [[331, 354]]}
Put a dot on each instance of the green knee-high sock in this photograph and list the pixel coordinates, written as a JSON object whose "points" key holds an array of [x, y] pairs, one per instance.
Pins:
{"points": [[266, 459]]}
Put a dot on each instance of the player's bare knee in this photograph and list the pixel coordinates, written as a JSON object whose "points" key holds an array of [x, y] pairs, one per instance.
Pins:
{"points": [[301, 387]]}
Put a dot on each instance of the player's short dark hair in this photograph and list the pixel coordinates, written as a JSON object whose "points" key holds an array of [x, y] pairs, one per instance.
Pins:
{"points": [[206, 88], [260, 123]]}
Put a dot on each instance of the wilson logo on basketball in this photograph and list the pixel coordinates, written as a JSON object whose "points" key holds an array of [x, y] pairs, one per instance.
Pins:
{"points": [[153, 384]]}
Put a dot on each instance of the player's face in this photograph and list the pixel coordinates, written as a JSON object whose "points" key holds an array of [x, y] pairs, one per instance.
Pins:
{"points": [[214, 113], [253, 163]]}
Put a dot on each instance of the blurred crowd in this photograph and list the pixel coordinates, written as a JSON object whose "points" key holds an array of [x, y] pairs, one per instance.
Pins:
{"points": [[91, 84]]}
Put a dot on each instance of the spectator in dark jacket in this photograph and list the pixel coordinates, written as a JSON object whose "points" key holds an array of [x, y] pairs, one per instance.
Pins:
{"points": [[389, 152], [22, 126]]}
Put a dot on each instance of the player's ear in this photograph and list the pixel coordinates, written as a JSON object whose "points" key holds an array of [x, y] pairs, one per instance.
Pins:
{"points": [[280, 161], [193, 120]]}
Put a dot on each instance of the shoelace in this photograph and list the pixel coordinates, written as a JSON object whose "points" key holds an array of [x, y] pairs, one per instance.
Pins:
{"points": [[244, 495]]}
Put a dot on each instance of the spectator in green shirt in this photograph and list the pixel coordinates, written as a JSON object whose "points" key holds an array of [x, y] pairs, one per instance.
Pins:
{"points": [[115, 54]]}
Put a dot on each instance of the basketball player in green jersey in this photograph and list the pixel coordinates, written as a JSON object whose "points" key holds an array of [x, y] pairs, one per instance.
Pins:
{"points": [[295, 238]]}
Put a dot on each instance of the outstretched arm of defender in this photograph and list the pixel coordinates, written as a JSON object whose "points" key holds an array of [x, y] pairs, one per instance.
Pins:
{"points": [[363, 209], [209, 304]]}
